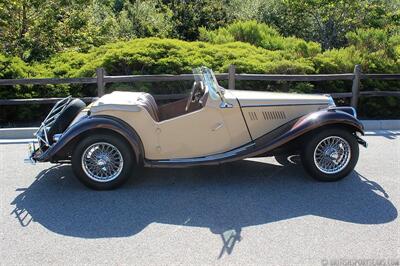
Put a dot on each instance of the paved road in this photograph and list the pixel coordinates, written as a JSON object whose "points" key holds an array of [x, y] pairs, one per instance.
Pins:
{"points": [[248, 212]]}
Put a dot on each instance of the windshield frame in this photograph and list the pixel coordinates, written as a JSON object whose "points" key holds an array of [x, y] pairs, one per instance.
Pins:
{"points": [[209, 80]]}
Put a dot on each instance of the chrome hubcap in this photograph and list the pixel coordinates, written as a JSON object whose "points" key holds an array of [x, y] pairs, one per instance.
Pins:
{"points": [[102, 162], [332, 155]]}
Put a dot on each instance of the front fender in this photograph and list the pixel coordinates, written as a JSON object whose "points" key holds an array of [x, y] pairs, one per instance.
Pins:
{"points": [[339, 116], [89, 123], [306, 124]]}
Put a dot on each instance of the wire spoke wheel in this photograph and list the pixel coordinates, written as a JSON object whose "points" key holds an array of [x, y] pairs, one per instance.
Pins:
{"points": [[332, 154], [102, 162]]}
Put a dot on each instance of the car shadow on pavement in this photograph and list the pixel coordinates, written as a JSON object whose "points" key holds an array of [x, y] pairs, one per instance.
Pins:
{"points": [[224, 199]]}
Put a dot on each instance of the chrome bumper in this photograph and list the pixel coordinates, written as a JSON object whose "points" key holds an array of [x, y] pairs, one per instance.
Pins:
{"points": [[31, 152], [41, 134], [362, 142]]}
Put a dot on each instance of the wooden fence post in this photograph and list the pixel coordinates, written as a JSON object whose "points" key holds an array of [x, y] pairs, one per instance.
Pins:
{"points": [[100, 73], [356, 86], [231, 77]]}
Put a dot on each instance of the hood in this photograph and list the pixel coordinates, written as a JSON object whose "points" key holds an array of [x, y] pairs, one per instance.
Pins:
{"points": [[256, 98]]}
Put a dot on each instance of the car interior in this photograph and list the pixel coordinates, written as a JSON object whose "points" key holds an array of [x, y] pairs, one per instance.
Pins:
{"points": [[195, 101]]}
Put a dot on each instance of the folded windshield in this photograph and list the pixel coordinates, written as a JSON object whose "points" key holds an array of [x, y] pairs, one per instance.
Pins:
{"points": [[207, 76]]}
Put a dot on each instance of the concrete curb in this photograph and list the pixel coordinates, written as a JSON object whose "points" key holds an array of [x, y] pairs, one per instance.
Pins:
{"points": [[17, 133], [381, 124], [27, 132]]}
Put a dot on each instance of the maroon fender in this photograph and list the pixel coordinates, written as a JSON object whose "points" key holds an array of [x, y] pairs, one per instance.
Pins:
{"points": [[305, 124], [87, 124], [327, 117]]}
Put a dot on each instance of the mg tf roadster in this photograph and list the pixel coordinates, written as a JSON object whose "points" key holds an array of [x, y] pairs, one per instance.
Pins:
{"points": [[107, 140]]}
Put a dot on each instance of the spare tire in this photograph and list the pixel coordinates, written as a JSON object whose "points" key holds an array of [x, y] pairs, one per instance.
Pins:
{"points": [[65, 118]]}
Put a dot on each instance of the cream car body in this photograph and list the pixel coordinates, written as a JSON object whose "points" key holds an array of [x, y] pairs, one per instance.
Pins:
{"points": [[211, 129]]}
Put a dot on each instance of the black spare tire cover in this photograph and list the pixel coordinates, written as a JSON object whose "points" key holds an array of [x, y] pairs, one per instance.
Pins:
{"points": [[65, 118]]}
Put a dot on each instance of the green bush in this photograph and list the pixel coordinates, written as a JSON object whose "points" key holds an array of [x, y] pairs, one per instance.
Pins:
{"points": [[13, 68], [159, 56]]}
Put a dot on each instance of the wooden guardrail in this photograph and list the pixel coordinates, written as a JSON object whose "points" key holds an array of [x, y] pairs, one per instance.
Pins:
{"points": [[102, 79]]}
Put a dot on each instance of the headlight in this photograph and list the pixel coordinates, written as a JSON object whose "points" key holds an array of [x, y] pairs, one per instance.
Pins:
{"points": [[354, 112], [331, 102]]}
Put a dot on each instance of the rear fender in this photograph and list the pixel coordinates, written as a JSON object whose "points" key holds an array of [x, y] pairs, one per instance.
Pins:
{"points": [[90, 123]]}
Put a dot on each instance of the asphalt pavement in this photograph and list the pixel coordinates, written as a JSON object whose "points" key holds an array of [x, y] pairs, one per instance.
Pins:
{"points": [[252, 212]]}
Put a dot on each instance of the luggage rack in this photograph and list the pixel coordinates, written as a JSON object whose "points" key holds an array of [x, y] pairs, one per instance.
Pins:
{"points": [[58, 108]]}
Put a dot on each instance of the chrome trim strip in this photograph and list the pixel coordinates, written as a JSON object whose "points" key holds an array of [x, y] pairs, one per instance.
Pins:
{"points": [[272, 105]]}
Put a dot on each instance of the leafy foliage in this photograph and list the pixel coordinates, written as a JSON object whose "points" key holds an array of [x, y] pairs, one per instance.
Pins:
{"points": [[58, 38]]}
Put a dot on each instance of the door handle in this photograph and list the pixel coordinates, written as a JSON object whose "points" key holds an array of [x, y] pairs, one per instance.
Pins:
{"points": [[218, 126]]}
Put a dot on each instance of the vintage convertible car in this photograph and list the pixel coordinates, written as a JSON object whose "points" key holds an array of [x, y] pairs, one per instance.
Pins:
{"points": [[107, 140]]}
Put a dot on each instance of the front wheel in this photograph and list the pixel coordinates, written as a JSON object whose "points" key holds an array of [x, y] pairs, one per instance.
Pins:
{"points": [[102, 162], [330, 155]]}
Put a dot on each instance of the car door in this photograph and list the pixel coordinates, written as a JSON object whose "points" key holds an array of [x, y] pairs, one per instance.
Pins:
{"points": [[199, 133]]}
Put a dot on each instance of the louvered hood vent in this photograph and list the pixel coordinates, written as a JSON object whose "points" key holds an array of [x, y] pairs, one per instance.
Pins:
{"points": [[274, 115], [271, 115]]}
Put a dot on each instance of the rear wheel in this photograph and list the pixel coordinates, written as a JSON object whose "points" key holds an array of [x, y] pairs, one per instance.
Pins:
{"points": [[330, 155], [102, 162]]}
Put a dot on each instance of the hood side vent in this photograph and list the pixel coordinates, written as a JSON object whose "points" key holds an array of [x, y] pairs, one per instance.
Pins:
{"points": [[274, 115], [253, 116]]}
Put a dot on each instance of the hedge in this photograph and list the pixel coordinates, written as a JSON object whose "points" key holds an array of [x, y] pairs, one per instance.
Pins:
{"points": [[171, 56]]}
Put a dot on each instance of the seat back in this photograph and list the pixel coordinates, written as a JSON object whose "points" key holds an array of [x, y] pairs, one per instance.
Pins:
{"points": [[148, 102]]}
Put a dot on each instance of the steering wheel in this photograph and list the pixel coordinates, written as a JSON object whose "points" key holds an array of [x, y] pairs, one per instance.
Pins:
{"points": [[195, 95]]}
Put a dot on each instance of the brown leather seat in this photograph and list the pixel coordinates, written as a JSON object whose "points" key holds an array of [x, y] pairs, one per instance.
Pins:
{"points": [[148, 102]]}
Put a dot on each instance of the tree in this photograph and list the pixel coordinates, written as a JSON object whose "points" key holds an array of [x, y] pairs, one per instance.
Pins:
{"points": [[190, 15], [35, 29], [144, 19], [327, 21]]}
